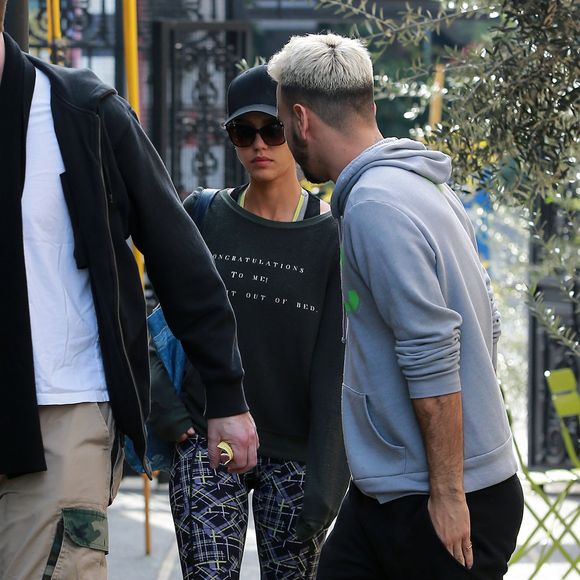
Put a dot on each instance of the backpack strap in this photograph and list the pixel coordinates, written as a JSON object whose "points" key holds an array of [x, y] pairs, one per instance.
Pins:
{"points": [[198, 203], [313, 207]]}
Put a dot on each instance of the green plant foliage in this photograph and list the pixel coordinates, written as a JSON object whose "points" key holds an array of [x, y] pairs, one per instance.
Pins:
{"points": [[245, 65], [511, 117]]}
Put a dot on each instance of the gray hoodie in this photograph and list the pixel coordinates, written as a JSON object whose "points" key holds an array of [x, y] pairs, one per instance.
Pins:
{"points": [[422, 321]]}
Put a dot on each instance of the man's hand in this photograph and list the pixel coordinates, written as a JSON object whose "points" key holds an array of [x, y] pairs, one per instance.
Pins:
{"points": [[189, 433], [240, 432], [441, 423], [450, 518]]}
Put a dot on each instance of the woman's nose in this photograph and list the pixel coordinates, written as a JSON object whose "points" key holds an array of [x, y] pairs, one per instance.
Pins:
{"points": [[259, 143]]}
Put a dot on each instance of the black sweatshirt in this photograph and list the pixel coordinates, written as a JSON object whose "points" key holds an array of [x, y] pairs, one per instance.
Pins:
{"points": [[283, 281]]}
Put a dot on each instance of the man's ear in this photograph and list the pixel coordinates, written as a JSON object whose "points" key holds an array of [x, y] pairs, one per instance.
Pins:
{"points": [[303, 121]]}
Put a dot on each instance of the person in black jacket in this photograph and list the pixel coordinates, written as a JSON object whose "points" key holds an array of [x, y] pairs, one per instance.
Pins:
{"points": [[79, 177], [276, 248]]}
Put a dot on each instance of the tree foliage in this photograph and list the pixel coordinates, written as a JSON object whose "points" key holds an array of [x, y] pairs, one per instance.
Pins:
{"points": [[511, 117]]}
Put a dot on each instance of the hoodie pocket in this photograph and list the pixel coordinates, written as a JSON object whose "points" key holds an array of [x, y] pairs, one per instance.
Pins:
{"points": [[369, 453]]}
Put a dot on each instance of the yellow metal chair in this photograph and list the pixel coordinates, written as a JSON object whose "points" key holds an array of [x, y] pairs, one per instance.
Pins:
{"points": [[566, 399], [550, 518]]}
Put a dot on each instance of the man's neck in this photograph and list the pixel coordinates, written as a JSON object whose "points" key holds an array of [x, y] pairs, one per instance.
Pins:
{"points": [[348, 148], [2, 55]]}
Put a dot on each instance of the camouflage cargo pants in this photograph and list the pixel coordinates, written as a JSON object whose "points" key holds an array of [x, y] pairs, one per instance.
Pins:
{"points": [[53, 525]]}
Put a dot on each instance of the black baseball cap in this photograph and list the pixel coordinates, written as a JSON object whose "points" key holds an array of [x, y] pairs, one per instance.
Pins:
{"points": [[252, 91]]}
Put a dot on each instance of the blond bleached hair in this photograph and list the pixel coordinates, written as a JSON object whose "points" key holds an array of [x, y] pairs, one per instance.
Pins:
{"points": [[325, 63], [331, 74]]}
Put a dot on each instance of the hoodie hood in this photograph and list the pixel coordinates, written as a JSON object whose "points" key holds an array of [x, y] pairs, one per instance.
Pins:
{"points": [[401, 153]]}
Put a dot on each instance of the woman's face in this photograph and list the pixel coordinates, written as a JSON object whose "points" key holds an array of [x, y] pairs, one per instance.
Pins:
{"points": [[264, 162]]}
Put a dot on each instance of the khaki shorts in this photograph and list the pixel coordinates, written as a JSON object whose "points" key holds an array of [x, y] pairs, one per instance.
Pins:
{"points": [[53, 524]]}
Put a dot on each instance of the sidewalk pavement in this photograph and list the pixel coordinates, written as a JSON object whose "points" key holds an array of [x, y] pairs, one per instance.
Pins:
{"points": [[127, 559]]}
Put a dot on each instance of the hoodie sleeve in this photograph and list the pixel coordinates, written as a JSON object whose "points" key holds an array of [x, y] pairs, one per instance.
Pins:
{"points": [[495, 315], [398, 266]]}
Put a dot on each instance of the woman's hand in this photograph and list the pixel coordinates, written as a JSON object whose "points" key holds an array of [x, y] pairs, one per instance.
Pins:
{"points": [[184, 436]]}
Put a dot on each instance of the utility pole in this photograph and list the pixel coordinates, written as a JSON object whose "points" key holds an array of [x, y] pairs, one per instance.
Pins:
{"points": [[16, 22]]}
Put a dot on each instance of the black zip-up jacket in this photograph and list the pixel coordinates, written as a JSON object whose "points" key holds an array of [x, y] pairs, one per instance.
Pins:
{"points": [[116, 187]]}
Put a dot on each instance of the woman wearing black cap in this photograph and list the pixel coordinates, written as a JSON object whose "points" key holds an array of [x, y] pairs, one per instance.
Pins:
{"points": [[276, 248]]}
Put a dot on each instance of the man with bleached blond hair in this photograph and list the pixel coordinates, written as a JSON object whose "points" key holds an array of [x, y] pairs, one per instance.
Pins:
{"points": [[434, 492]]}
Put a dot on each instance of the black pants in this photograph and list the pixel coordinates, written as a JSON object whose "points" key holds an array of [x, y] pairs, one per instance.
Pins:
{"points": [[397, 541]]}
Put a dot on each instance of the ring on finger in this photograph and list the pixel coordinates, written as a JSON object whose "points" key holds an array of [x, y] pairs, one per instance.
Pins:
{"points": [[227, 449]]}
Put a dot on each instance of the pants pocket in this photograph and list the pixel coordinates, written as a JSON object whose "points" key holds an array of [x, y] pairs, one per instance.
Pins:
{"points": [[80, 543], [117, 459], [87, 528], [105, 413], [436, 546]]}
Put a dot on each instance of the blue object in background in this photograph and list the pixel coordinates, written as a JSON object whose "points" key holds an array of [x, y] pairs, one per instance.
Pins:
{"points": [[481, 199], [160, 453]]}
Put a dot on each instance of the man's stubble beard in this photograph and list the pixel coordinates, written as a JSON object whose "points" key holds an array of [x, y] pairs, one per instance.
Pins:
{"points": [[299, 150]]}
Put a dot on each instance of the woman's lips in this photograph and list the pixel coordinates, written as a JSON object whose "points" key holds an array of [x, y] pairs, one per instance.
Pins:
{"points": [[261, 161]]}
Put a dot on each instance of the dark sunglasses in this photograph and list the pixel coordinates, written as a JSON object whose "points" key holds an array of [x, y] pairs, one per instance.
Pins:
{"points": [[244, 135]]}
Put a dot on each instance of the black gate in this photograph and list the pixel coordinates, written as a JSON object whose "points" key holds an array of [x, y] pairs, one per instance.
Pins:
{"points": [[546, 447], [91, 37], [193, 63]]}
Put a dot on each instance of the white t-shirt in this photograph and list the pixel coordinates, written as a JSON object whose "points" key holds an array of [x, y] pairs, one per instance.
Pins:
{"points": [[68, 365]]}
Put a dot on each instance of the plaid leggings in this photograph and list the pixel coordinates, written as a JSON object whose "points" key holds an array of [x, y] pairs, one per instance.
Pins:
{"points": [[210, 513]]}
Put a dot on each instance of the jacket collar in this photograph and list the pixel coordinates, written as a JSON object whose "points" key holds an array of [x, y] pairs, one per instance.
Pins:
{"points": [[80, 88]]}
